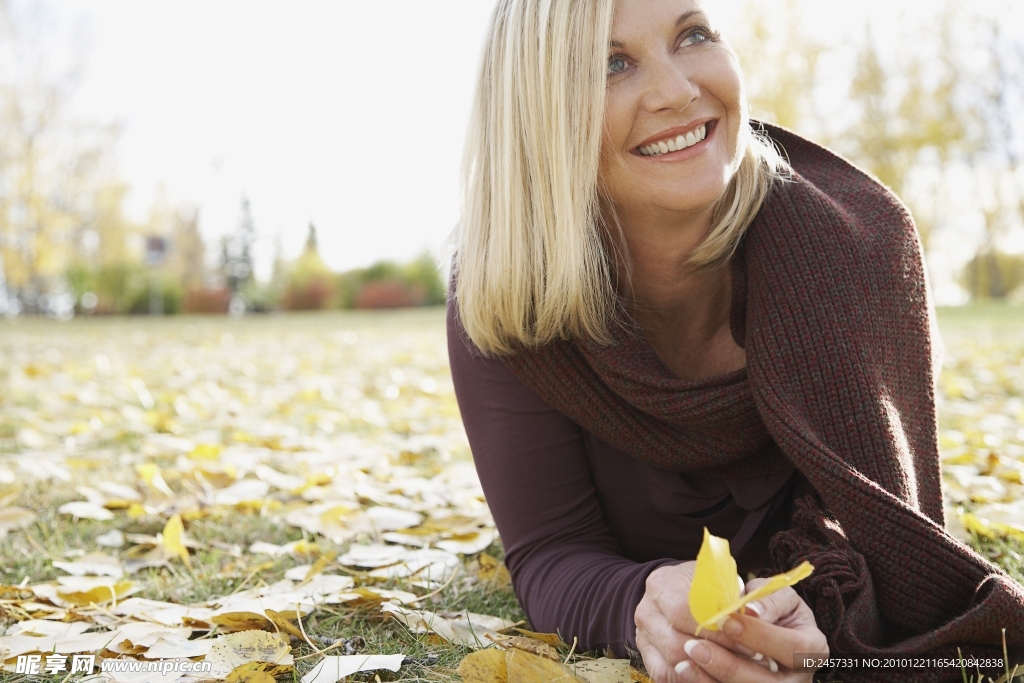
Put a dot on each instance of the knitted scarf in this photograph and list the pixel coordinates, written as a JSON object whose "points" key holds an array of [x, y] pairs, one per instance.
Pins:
{"points": [[837, 332]]}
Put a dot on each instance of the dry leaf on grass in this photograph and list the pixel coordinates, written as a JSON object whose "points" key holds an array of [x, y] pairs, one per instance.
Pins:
{"points": [[465, 628], [484, 666], [333, 669], [524, 667], [233, 650], [93, 564], [604, 670], [12, 518]]}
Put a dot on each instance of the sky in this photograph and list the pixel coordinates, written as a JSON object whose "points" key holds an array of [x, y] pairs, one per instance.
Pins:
{"points": [[350, 114]]}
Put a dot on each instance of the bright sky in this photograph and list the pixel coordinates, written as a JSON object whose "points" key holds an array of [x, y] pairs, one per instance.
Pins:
{"points": [[347, 113]]}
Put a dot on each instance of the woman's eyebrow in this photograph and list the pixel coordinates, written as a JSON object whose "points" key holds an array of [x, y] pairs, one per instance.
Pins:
{"points": [[683, 18]]}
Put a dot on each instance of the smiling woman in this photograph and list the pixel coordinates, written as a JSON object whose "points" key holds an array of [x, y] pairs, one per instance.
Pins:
{"points": [[659, 325]]}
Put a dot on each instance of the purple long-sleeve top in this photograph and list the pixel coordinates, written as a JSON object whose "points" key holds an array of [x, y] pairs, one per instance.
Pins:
{"points": [[583, 524]]}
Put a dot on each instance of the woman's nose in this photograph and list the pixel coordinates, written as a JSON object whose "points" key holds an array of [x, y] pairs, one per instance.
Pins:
{"points": [[670, 86]]}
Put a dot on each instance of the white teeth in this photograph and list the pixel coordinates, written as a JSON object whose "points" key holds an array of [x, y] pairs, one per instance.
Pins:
{"points": [[680, 142]]}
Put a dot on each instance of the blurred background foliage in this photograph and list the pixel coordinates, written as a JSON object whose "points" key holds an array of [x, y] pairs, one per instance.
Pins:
{"points": [[936, 114], [940, 124]]}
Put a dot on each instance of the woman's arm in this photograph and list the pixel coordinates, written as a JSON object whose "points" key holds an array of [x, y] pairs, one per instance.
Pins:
{"points": [[567, 569]]}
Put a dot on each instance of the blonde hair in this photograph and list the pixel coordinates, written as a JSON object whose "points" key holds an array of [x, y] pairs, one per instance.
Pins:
{"points": [[531, 260]]}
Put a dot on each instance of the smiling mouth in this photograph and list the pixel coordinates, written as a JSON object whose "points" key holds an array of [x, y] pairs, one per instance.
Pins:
{"points": [[680, 142]]}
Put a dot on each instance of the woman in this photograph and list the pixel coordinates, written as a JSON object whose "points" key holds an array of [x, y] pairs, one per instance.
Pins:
{"points": [[659, 325]]}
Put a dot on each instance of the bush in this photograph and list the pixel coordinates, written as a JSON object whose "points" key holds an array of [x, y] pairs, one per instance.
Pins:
{"points": [[391, 293], [312, 293], [993, 274], [208, 301], [387, 284], [120, 288]]}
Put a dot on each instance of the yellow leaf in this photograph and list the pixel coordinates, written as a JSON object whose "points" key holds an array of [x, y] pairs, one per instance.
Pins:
{"points": [[205, 451], [637, 677], [552, 639], [716, 581], [484, 666], [173, 540], [283, 622], [256, 672], [524, 667], [99, 594], [988, 529], [530, 645], [716, 584], [320, 565], [492, 570], [241, 621]]}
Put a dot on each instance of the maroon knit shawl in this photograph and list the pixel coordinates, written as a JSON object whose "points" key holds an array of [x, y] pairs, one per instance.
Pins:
{"points": [[839, 362]]}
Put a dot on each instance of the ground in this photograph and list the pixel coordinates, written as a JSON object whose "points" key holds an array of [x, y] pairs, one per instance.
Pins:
{"points": [[336, 433]]}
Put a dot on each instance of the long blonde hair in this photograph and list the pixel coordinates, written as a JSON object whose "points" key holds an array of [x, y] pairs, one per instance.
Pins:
{"points": [[531, 262]]}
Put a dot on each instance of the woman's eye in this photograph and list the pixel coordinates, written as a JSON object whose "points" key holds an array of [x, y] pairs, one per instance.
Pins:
{"points": [[700, 35], [616, 65]]}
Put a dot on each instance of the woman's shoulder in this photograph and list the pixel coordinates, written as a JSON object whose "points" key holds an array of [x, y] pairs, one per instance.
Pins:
{"points": [[829, 193]]}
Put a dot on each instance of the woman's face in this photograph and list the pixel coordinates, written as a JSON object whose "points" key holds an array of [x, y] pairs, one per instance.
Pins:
{"points": [[673, 109]]}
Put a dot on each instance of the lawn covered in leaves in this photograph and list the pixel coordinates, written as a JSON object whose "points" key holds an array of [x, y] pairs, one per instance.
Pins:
{"points": [[183, 482]]}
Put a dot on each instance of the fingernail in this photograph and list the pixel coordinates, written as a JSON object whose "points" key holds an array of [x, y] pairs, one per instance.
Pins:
{"points": [[773, 666], [682, 668], [757, 657], [697, 652], [733, 627], [756, 608]]}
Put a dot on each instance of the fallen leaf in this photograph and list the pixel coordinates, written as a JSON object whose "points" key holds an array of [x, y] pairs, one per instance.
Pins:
{"points": [[241, 621], [99, 595], [112, 539], [15, 518], [524, 667], [284, 623], [256, 672], [531, 645], [484, 666], [93, 564], [552, 639], [493, 571], [466, 629], [235, 649], [173, 540], [333, 669], [604, 670]]}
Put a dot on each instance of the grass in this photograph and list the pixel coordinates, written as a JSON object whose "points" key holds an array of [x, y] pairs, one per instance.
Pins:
{"points": [[226, 567]]}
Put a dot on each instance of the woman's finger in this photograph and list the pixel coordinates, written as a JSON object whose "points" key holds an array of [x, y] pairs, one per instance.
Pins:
{"points": [[722, 665], [780, 643]]}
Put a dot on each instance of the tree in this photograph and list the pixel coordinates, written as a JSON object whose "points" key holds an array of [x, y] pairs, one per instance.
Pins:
{"points": [[236, 251], [53, 168]]}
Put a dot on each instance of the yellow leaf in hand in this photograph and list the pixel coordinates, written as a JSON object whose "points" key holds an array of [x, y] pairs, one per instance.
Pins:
{"points": [[174, 540], [716, 584], [717, 594]]}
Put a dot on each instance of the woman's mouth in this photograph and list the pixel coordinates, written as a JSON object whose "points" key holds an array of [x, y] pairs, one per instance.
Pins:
{"points": [[676, 144]]}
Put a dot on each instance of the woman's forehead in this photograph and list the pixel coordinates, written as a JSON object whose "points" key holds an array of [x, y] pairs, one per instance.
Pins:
{"points": [[635, 17]]}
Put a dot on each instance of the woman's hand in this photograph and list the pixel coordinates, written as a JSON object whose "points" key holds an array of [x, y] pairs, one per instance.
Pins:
{"points": [[747, 649]]}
